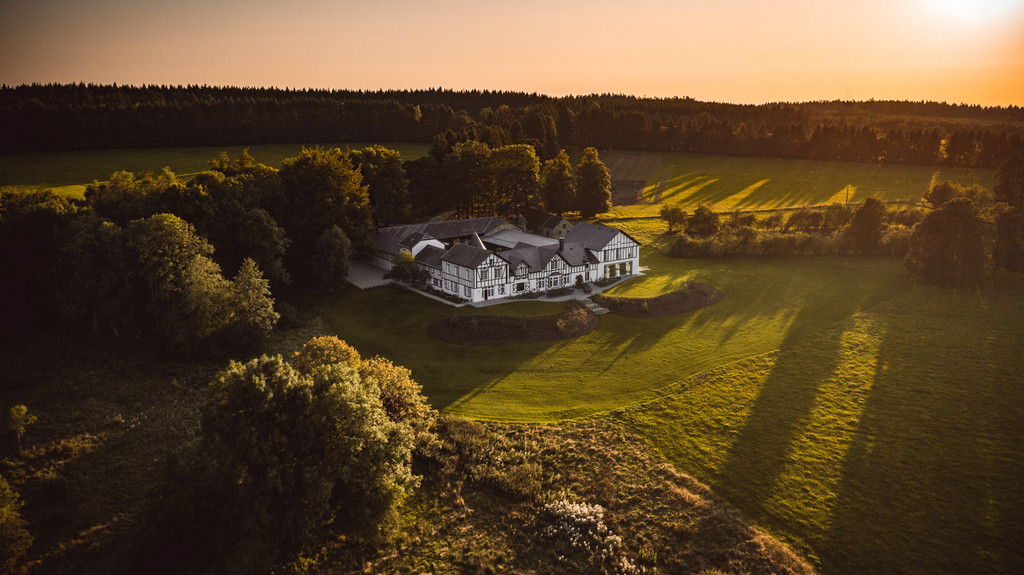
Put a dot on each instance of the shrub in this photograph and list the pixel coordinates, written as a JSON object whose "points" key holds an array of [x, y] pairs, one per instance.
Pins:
{"points": [[14, 537], [283, 459], [401, 396], [704, 222], [325, 350]]}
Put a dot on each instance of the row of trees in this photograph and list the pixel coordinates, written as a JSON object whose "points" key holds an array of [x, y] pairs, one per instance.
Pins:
{"points": [[149, 255], [967, 233], [60, 117], [479, 181]]}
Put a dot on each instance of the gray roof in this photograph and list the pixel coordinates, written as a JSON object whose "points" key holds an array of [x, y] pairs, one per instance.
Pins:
{"points": [[575, 254], [593, 236], [466, 255], [510, 238], [552, 223], [414, 238], [430, 256], [448, 230], [386, 242]]}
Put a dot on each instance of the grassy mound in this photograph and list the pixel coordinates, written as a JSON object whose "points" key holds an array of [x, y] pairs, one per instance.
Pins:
{"points": [[575, 321], [578, 497], [691, 296]]}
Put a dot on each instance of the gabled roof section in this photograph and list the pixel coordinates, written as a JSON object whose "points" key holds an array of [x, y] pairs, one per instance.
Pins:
{"points": [[593, 236], [414, 238], [575, 254], [387, 243], [551, 223], [430, 256], [467, 256]]}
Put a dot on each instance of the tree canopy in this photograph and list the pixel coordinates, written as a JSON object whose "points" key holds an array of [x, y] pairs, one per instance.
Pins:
{"points": [[557, 184], [593, 185], [951, 246], [284, 458]]}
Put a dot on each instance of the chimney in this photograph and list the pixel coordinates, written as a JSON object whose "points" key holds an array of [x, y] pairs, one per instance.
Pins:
{"points": [[561, 244]]}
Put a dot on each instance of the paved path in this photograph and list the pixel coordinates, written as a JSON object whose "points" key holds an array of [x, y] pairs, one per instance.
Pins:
{"points": [[364, 276]]}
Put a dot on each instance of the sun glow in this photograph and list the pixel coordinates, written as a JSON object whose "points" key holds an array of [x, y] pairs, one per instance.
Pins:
{"points": [[978, 10]]}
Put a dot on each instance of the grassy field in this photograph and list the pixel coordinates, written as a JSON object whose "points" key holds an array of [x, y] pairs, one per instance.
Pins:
{"points": [[734, 183], [69, 172], [625, 360], [886, 443]]}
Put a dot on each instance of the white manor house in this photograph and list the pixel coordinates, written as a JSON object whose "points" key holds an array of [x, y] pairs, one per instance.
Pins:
{"points": [[480, 259]]}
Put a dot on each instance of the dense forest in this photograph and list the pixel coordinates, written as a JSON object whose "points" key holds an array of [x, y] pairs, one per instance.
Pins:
{"points": [[66, 117]]}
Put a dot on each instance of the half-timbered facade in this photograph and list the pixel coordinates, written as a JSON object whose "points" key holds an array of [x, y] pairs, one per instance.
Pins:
{"points": [[478, 264]]}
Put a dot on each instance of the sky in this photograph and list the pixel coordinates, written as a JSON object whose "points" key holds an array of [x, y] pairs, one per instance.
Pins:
{"points": [[737, 51]]}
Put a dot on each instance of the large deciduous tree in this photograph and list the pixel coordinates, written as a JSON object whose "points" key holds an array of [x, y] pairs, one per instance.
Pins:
{"points": [[951, 246], [186, 301], [516, 178], [384, 176], [1009, 192], [593, 185], [704, 222], [558, 187], [284, 458], [864, 232], [469, 179], [331, 258], [674, 216], [322, 189]]}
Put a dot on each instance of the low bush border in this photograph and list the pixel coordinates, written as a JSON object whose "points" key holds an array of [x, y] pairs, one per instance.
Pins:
{"points": [[465, 329], [690, 297]]}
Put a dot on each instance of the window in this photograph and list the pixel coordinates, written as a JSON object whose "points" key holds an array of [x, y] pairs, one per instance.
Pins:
{"points": [[467, 291], [483, 275], [501, 290]]}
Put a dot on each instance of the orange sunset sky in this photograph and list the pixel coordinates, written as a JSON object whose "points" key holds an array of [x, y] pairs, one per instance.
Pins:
{"points": [[958, 51]]}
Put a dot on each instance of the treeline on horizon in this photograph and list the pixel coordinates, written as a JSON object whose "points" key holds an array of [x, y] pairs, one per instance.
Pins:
{"points": [[57, 117]]}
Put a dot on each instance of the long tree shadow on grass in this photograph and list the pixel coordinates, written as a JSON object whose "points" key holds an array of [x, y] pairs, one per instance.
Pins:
{"points": [[760, 453], [931, 482]]}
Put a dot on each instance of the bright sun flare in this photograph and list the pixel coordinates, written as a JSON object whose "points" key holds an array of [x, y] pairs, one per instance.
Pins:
{"points": [[978, 10]]}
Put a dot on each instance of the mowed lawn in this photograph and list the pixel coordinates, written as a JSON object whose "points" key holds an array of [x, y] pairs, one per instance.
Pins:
{"points": [[70, 172], [625, 360], [735, 183], [887, 443]]}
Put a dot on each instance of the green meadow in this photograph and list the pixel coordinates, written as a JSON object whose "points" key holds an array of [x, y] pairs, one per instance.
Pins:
{"points": [[888, 442], [625, 360], [70, 172], [735, 183], [870, 422]]}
